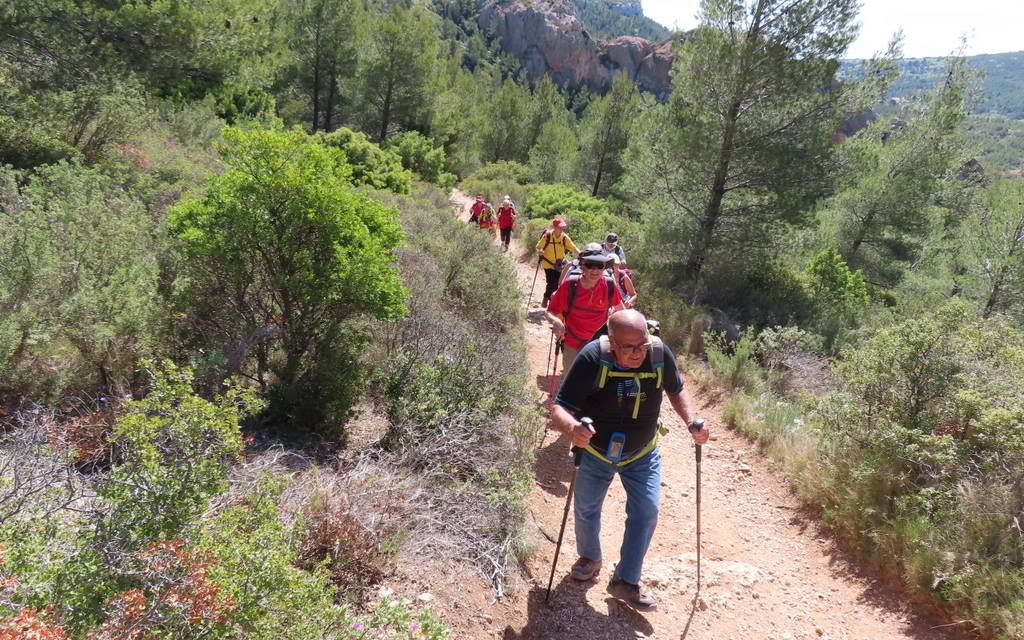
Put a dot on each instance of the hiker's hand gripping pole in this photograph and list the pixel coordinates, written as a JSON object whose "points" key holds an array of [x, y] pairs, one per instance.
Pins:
{"points": [[695, 427], [576, 454]]}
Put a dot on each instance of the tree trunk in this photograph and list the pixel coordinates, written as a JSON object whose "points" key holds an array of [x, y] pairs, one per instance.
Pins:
{"points": [[709, 221], [316, 88], [600, 171], [385, 112], [332, 97]]}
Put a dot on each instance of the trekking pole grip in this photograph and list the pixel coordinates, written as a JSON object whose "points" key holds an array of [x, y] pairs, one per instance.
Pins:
{"points": [[695, 426]]}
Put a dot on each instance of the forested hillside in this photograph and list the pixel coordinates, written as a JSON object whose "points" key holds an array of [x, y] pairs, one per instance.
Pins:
{"points": [[611, 18], [250, 362], [1002, 89]]}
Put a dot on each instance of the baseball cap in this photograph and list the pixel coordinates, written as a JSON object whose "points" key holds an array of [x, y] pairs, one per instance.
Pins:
{"points": [[612, 237], [558, 223]]}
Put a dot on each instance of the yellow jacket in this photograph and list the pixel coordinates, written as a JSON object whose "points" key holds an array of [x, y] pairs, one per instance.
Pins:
{"points": [[554, 249]]}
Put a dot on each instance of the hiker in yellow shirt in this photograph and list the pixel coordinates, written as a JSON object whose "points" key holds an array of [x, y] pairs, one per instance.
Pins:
{"points": [[551, 250]]}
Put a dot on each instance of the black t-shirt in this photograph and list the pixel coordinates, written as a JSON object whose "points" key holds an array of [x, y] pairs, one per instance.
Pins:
{"points": [[611, 408]]}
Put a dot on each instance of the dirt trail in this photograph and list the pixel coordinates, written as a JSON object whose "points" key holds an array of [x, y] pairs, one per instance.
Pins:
{"points": [[768, 571]]}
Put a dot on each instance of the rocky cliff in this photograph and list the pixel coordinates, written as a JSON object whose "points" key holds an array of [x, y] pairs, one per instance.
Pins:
{"points": [[548, 38]]}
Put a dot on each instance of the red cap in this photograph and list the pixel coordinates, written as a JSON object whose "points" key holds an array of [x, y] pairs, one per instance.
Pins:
{"points": [[558, 223]]}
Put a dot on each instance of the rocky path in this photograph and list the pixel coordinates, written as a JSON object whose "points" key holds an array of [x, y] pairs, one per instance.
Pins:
{"points": [[768, 571]]}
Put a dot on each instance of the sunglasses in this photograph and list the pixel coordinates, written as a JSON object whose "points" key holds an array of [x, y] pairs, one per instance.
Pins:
{"points": [[592, 265]]}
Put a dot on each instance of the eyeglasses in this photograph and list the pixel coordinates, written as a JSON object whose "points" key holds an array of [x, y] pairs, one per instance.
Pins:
{"points": [[592, 265], [633, 348]]}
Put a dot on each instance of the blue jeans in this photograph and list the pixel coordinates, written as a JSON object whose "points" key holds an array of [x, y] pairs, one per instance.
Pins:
{"points": [[642, 481]]}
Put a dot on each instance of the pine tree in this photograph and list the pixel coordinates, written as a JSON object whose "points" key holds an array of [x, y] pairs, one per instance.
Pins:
{"points": [[746, 139], [605, 134]]}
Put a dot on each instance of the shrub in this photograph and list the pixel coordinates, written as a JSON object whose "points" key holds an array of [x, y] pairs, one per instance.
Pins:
{"points": [[280, 258], [498, 179], [78, 282], [733, 363], [925, 450], [371, 165], [451, 382], [838, 294], [419, 154]]}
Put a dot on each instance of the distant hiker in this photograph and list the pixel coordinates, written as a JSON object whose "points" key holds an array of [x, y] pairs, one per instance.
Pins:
{"points": [[611, 247], [554, 243], [580, 306], [618, 381], [487, 218], [506, 221], [474, 211], [623, 278]]}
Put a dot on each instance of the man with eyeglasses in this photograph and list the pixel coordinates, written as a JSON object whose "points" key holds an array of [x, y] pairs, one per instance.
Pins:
{"points": [[625, 405], [580, 305]]}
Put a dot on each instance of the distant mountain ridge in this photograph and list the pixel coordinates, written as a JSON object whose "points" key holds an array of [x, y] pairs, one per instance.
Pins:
{"points": [[1002, 88], [613, 18]]}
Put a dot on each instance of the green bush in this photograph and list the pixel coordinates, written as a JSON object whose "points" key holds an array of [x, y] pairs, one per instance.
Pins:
{"points": [[733, 363], [839, 296], [419, 154], [590, 219], [498, 179], [78, 282], [371, 165], [924, 446]]}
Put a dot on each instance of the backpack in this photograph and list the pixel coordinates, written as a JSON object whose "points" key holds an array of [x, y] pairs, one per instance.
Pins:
{"points": [[607, 361]]}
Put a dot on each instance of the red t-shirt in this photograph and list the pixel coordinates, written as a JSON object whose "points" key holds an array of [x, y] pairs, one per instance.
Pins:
{"points": [[589, 312], [506, 217], [474, 211]]}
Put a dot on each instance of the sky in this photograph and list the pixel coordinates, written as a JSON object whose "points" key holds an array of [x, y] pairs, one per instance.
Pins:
{"points": [[930, 27]]}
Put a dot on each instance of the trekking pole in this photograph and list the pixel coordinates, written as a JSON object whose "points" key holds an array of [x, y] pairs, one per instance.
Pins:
{"points": [[536, 270], [576, 453], [554, 372], [695, 426]]}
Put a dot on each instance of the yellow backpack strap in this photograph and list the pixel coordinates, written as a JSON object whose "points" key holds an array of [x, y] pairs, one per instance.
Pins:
{"points": [[606, 361], [658, 359]]}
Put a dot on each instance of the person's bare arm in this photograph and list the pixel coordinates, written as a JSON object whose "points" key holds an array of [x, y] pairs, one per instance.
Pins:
{"points": [[568, 424], [682, 407]]}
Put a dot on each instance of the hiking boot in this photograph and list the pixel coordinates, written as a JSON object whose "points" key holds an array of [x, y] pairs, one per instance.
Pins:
{"points": [[630, 594], [585, 569]]}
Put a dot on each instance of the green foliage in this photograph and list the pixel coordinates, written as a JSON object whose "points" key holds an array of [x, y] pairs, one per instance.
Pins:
{"points": [[508, 119], [325, 38], [451, 381], [745, 142], [555, 155], [419, 154], [400, 62], [174, 453], [733, 363], [992, 250], [590, 219], [380, 168], [78, 281], [280, 256], [605, 131], [924, 445], [890, 202], [999, 141], [495, 180], [838, 294]]}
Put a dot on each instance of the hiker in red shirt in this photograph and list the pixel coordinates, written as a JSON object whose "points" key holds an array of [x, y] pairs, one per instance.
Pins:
{"points": [[506, 220], [580, 306], [474, 211]]}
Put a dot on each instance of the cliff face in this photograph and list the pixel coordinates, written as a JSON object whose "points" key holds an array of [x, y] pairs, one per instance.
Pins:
{"points": [[548, 38]]}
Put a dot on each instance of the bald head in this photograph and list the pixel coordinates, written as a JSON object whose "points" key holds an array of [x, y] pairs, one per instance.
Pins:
{"points": [[625, 321]]}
